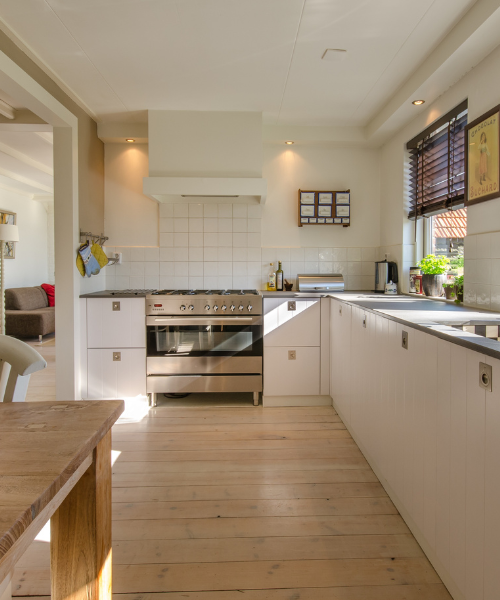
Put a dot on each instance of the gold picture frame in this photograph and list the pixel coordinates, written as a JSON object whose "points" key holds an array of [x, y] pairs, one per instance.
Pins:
{"points": [[8, 218], [482, 158]]}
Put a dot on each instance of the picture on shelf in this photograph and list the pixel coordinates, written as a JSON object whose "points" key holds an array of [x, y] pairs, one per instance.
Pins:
{"points": [[343, 211], [8, 218], [324, 211], [325, 198], [307, 197], [342, 198]]}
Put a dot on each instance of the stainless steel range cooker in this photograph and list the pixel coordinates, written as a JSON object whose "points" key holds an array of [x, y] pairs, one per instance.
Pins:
{"points": [[204, 341]]}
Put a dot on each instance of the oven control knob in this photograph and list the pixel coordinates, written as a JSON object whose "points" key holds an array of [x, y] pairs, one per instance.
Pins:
{"points": [[232, 307], [224, 307], [207, 307], [249, 307], [191, 307], [183, 307], [216, 308], [241, 307]]}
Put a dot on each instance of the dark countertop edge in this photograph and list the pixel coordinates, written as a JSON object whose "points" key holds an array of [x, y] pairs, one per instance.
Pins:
{"points": [[106, 294], [482, 344]]}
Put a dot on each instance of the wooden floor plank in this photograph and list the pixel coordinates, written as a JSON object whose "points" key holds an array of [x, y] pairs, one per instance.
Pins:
{"points": [[240, 465], [248, 492], [209, 509], [258, 527], [246, 477], [244, 418], [152, 427], [216, 434]]}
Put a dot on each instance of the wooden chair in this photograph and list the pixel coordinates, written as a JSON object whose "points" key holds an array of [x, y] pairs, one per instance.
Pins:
{"points": [[17, 362]]}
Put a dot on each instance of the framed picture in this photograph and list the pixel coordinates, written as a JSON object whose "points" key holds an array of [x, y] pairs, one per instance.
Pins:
{"points": [[307, 211], [325, 211], [307, 197], [329, 220], [325, 198], [337, 220], [342, 198], [482, 158], [321, 220], [312, 220], [345, 220], [342, 211], [8, 218], [302, 220]]}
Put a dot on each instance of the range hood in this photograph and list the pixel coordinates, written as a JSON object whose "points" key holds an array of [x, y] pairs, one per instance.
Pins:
{"points": [[205, 157]]}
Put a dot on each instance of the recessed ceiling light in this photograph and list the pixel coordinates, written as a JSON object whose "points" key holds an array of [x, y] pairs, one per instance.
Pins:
{"points": [[289, 143], [129, 140], [334, 54], [418, 102]]}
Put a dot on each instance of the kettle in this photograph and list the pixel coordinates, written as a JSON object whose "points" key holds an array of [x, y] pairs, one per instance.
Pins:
{"points": [[391, 288], [385, 271]]}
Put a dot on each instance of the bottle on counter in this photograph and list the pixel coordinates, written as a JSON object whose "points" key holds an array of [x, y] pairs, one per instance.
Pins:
{"points": [[271, 279], [279, 278]]}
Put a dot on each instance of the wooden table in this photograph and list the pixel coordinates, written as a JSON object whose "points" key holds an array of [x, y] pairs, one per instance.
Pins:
{"points": [[55, 463]]}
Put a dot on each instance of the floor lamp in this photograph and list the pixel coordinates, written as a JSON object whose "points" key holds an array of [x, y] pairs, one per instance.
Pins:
{"points": [[8, 233]]}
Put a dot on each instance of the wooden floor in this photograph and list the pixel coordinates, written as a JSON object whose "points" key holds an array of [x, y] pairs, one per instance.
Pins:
{"points": [[263, 504], [42, 386]]}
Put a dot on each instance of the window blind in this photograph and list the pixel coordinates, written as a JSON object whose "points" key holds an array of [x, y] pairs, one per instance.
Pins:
{"points": [[437, 165]]}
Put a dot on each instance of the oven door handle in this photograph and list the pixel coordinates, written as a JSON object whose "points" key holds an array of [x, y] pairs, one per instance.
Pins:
{"points": [[202, 320]]}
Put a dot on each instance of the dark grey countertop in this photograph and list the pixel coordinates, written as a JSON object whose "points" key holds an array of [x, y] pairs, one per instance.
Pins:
{"points": [[118, 294], [432, 316]]}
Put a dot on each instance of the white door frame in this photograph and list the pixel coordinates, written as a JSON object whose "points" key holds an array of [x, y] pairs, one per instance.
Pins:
{"points": [[18, 84]]}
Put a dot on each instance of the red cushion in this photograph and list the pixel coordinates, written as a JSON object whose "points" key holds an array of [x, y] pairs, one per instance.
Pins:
{"points": [[50, 290]]}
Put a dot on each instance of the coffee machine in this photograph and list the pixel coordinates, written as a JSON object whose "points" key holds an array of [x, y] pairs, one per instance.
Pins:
{"points": [[385, 271]]}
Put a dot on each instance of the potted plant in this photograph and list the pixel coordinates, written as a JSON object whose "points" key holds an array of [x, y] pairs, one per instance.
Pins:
{"points": [[449, 290], [459, 289], [433, 274]]}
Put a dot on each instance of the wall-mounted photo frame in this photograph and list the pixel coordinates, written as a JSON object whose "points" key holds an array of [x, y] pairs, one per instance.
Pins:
{"points": [[302, 220], [307, 210], [307, 197], [482, 158], [343, 211], [321, 220], [345, 220], [312, 220], [325, 211], [329, 220], [325, 198], [337, 220], [8, 218], [342, 198]]}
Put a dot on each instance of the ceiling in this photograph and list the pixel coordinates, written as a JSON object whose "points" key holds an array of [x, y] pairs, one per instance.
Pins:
{"points": [[122, 57]]}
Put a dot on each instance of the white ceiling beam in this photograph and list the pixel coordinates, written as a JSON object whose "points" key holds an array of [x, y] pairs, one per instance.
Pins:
{"points": [[19, 191], [24, 158], [398, 110], [31, 182], [45, 135], [6, 110]]}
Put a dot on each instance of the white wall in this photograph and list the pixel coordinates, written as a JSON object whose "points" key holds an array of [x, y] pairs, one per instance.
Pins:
{"points": [[30, 264], [130, 217], [482, 88]]}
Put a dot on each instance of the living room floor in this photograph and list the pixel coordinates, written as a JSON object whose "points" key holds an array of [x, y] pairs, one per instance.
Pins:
{"points": [[42, 386]]}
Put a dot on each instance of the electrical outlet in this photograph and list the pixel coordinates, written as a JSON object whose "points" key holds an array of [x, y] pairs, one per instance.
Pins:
{"points": [[404, 340], [292, 355]]}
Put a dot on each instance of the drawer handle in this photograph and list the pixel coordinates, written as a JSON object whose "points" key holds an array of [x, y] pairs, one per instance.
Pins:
{"points": [[117, 356]]}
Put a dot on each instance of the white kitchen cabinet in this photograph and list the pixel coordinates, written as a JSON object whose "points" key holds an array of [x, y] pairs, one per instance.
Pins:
{"points": [[299, 377], [299, 326], [432, 435], [116, 373], [116, 323], [114, 353]]}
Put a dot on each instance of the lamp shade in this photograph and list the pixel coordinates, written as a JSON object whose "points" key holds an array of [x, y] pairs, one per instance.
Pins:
{"points": [[9, 233]]}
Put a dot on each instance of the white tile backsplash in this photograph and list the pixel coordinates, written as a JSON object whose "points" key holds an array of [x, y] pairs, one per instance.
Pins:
{"points": [[482, 270], [219, 246]]}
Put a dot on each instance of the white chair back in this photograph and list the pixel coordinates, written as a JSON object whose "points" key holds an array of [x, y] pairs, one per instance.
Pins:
{"points": [[17, 362]]}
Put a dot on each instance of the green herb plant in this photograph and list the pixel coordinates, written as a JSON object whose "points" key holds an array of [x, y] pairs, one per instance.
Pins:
{"points": [[459, 288], [434, 265]]}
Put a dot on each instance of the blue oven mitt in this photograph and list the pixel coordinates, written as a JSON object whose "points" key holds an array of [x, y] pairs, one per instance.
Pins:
{"points": [[90, 263]]}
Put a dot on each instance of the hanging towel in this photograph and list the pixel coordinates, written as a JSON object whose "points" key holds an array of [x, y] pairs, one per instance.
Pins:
{"points": [[91, 265], [99, 255], [79, 261]]}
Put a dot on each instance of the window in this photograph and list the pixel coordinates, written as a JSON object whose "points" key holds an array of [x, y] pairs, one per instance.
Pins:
{"points": [[446, 238], [437, 165]]}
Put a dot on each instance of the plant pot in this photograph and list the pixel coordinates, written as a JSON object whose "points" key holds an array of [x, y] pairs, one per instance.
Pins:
{"points": [[433, 284], [449, 292], [460, 296]]}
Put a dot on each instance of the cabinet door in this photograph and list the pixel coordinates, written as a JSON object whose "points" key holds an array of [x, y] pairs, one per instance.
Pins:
{"points": [[109, 378], [299, 377], [299, 327], [119, 323]]}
